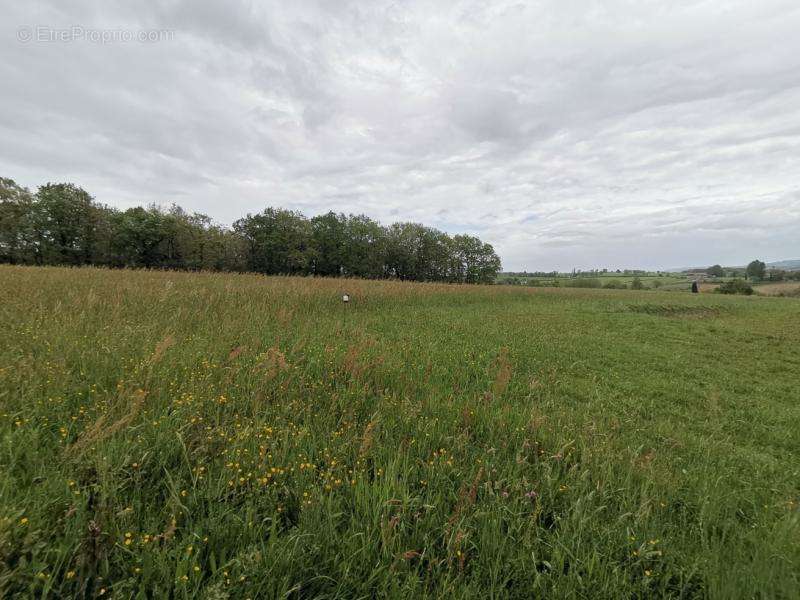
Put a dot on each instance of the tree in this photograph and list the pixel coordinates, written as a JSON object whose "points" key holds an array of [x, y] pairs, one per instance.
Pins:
{"points": [[756, 270], [279, 241], [716, 271], [138, 236], [329, 243], [475, 261], [401, 255], [67, 225], [364, 247], [62, 224], [16, 223]]}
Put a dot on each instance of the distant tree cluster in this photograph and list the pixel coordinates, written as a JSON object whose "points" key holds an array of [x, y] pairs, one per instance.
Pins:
{"points": [[525, 274], [735, 286], [61, 224], [756, 270]]}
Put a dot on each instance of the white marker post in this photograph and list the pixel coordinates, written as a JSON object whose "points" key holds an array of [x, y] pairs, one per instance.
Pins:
{"points": [[346, 301]]}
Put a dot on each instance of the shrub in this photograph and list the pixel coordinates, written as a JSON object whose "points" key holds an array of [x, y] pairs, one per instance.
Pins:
{"points": [[637, 284], [735, 286], [615, 285]]}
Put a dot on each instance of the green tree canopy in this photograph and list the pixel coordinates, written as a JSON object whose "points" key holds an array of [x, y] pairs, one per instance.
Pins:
{"points": [[756, 270], [62, 224]]}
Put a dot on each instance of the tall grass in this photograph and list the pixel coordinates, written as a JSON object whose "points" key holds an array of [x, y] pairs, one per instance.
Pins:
{"points": [[235, 436]]}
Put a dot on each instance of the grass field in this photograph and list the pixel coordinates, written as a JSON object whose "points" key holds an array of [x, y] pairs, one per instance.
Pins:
{"points": [[223, 436], [786, 288]]}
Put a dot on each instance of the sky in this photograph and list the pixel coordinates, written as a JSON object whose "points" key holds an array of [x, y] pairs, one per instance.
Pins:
{"points": [[568, 134]]}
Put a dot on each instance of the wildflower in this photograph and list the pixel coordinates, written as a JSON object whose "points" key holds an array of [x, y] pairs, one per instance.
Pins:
{"points": [[23, 521], [70, 574]]}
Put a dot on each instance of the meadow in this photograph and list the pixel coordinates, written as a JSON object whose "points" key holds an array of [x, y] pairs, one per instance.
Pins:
{"points": [[790, 289], [186, 435]]}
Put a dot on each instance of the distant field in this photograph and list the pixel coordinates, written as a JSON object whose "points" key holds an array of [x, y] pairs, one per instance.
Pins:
{"points": [[779, 289], [788, 288], [235, 436], [647, 280]]}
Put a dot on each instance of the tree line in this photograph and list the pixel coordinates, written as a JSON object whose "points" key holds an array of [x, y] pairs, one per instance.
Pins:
{"points": [[756, 270], [61, 224]]}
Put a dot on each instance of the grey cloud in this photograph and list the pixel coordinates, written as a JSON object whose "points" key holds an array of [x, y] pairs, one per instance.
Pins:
{"points": [[647, 134]]}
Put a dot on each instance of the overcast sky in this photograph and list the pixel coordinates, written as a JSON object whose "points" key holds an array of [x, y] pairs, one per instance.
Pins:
{"points": [[569, 133]]}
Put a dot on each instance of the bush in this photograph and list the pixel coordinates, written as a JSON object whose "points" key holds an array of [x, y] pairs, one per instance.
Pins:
{"points": [[735, 286], [637, 284], [615, 285]]}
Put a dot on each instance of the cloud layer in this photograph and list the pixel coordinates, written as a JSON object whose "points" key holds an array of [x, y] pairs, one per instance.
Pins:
{"points": [[568, 134]]}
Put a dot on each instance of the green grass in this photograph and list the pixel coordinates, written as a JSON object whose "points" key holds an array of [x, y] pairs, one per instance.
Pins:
{"points": [[182, 435]]}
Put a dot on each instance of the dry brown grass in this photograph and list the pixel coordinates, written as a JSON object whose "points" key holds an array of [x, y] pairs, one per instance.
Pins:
{"points": [[785, 288]]}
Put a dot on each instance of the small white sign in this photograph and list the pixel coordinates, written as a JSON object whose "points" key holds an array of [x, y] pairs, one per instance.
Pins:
{"points": [[345, 298]]}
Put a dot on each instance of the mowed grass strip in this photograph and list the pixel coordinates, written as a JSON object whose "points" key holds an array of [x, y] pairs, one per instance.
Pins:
{"points": [[232, 436]]}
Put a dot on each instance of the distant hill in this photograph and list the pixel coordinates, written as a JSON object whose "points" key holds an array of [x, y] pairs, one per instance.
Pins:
{"points": [[789, 265]]}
